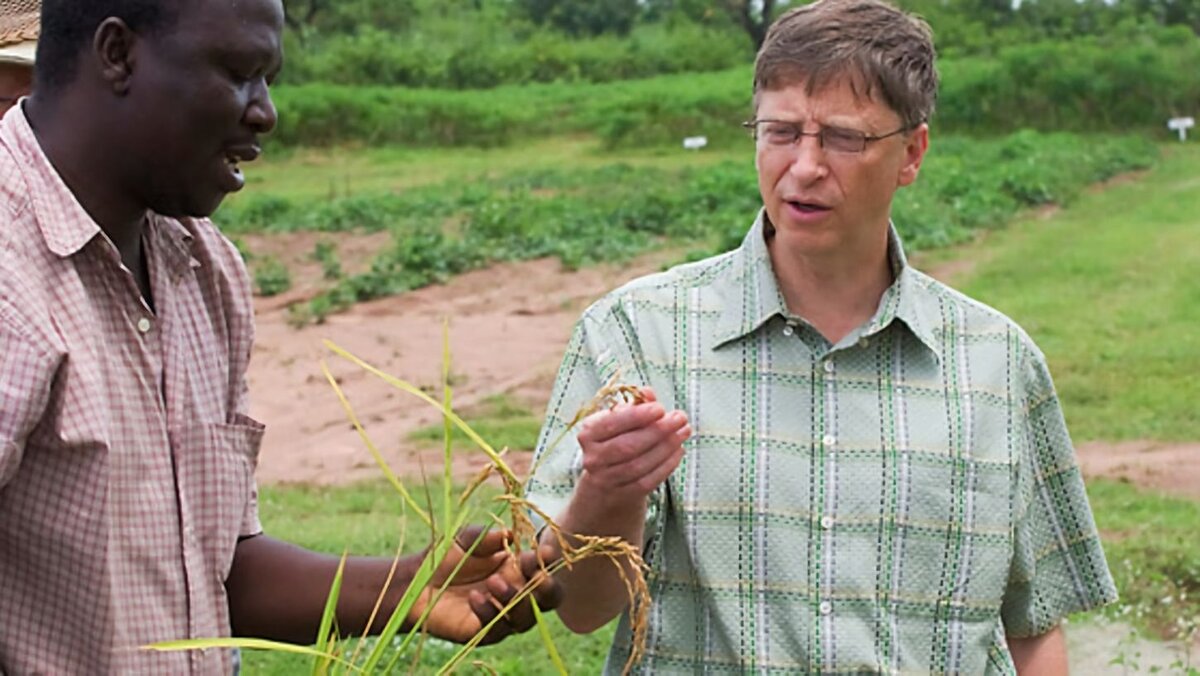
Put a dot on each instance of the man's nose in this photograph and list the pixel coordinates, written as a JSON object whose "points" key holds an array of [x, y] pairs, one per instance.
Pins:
{"points": [[261, 114], [808, 159]]}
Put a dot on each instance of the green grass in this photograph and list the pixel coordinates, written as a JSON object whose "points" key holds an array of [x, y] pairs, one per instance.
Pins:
{"points": [[1149, 539], [1109, 290], [1152, 549], [329, 173], [503, 421], [367, 519]]}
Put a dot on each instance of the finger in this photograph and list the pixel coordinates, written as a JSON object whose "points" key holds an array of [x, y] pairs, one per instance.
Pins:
{"points": [[608, 424], [632, 443], [653, 467], [633, 446], [547, 593], [520, 617], [491, 542], [485, 610]]}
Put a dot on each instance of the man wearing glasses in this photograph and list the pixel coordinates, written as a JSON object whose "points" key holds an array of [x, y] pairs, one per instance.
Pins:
{"points": [[843, 465]]}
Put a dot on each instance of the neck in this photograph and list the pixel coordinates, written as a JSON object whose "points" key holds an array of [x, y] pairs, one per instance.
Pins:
{"points": [[75, 146], [834, 290]]}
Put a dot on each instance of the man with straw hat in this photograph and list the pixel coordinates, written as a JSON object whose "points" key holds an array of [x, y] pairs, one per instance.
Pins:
{"points": [[18, 43]]}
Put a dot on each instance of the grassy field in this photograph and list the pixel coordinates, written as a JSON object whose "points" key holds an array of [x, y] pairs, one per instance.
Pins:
{"points": [[1107, 287], [327, 173]]}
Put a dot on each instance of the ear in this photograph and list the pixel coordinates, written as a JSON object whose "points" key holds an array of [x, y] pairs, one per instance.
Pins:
{"points": [[113, 46], [914, 154]]}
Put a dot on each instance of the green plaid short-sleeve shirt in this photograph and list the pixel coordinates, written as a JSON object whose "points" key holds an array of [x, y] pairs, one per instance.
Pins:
{"points": [[897, 503]]}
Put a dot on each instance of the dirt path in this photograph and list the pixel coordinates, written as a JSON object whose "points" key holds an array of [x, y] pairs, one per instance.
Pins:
{"points": [[508, 328], [509, 325]]}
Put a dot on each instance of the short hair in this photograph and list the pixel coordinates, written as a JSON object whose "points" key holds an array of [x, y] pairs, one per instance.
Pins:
{"points": [[68, 27], [878, 46]]}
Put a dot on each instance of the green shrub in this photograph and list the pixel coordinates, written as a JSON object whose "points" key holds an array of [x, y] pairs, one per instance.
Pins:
{"points": [[271, 276], [1112, 83], [583, 216]]}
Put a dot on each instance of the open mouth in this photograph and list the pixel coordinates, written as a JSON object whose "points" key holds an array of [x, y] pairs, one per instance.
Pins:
{"points": [[233, 158], [807, 207]]}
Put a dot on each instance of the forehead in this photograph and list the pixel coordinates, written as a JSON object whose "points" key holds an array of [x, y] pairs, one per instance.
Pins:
{"points": [[236, 24], [843, 99]]}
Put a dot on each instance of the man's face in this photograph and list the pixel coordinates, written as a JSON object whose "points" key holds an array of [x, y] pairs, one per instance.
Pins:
{"points": [[198, 101], [821, 200], [16, 80]]}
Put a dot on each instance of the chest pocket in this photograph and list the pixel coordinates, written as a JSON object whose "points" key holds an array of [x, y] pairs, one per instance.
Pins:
{"points": [[215, 464]]}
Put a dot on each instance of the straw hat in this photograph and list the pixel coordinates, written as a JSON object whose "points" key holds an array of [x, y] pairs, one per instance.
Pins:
{"points": [[19, 29]]}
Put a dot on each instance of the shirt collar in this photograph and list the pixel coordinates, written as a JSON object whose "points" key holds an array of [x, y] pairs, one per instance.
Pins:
{"points": [[65, 225], [748, 289], [750, 293], [173, 241]]}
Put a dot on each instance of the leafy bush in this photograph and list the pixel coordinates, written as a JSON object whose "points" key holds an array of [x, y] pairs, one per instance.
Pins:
{"points": [[615, 212], [1114, 83], [271, 276], [483, 55]]}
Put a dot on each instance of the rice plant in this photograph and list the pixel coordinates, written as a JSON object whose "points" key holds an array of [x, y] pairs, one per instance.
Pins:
{"points": [[390, 652]]}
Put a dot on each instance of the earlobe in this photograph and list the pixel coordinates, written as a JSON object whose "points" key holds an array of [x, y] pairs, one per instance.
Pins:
{"points": [[113, 47]]}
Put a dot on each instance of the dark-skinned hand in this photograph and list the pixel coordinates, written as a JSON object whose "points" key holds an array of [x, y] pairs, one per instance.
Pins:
{"points": [[488, 580]]}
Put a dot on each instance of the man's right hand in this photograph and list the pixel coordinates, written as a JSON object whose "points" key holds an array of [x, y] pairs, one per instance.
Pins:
{"points": [[630, 450]]}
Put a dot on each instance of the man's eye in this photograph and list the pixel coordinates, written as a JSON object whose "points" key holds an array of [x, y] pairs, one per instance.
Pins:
{"points": [[843, 139], [779, 133]]}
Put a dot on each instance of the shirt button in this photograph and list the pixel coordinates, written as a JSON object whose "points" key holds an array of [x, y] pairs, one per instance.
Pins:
{"points": [[143, 325], [828, 440], [829, 366], [826, 607], [789, 330], [864, 341], [827, 522]]}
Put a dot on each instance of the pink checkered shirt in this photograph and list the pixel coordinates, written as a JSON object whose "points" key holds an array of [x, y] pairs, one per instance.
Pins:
{"points": [[126, 457]]}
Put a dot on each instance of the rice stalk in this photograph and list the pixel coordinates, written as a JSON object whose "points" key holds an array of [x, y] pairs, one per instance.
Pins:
{"points": [[329, 652]]}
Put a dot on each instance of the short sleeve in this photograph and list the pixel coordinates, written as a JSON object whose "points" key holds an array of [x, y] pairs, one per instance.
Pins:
{"points": [[1058, 564], [26, 378], [593, 355]]}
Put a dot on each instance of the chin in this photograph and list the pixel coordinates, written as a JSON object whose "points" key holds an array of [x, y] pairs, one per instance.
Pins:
{"points": [[190, 206]]}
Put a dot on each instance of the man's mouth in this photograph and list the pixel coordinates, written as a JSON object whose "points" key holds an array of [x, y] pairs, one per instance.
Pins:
{"points": [[235, 155], [807, 207]]}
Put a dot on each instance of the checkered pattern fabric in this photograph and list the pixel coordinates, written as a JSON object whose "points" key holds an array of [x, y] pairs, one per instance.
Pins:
{"points": [[897, 503], [126, 460]]}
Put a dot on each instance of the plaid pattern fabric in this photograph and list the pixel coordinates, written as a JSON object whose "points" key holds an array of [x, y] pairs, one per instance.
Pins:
{"points": [[126, 460], [896, 503]]}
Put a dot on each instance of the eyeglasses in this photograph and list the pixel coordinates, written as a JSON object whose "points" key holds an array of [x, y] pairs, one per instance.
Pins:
{"points": [[780, 134]]}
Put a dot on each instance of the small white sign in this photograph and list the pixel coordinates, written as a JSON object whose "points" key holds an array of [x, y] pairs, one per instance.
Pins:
{"points": [[695, 142], [1181, 125]]}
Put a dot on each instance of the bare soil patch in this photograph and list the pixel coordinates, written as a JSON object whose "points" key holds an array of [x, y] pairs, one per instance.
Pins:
{"points": [[509, 325], [1164, 467]]}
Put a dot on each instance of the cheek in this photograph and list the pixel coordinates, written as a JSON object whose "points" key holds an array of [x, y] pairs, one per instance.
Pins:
{"points": [[769, 173]]}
